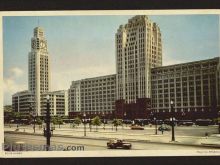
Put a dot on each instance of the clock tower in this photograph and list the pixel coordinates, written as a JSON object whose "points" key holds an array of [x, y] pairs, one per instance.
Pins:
{"points": [[38, 67]]}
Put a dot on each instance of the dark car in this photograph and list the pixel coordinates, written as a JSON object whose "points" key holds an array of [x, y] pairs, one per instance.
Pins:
{"points": [[118, 143], [164, 127], [137, 127]]}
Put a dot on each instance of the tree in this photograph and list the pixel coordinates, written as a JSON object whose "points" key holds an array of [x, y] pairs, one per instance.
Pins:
{"points": [[17, 117], [77, 121], [7, 113], [96, 121], [116, 123], [39, 121], [59, 120], [54, 120]]}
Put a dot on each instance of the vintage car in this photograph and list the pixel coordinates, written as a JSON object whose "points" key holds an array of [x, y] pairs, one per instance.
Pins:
{"points": [[118, 143], [137, 127], [164, 127]]}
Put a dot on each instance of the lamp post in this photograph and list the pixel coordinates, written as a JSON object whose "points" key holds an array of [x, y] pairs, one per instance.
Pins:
{"points": [[155, 120], [48, 133], [183, 114], [84, 122], [103, 113], [172, 119], [219, 122], [125, 119], [33, 115], [59, 119], [90, 126]]}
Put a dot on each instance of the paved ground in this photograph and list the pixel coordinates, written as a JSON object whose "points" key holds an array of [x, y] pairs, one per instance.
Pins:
{"points": [[78, 144], [191, 136], [179, 131]]}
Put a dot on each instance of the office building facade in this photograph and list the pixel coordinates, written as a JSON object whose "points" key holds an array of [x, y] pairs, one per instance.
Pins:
{"points": [[194, 88], [58, 103], [138, 49], [93, 96], [23, 102]]}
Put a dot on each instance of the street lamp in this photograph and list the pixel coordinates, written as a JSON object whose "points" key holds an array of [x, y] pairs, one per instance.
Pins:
{"points": [[33, 114], [90, 126], [125, 119], [172, 112], [155, 120], [103, 113], [48, 133], [183, 114], [84, 122], [219, 122]]}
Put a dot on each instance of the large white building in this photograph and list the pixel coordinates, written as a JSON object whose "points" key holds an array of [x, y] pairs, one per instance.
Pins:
{"points": [[58, 103], [38, 67], [93, 95], [34, 99], [138, 49], [23, 101]]}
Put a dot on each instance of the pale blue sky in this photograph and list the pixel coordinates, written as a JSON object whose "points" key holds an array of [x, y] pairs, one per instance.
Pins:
{"points": [[83, 46]]}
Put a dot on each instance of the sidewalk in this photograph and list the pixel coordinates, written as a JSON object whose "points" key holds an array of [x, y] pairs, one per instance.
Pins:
{"points": [[213, 141]]}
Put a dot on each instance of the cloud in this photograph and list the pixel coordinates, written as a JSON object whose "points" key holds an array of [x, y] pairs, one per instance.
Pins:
{"points": [[12, 84], [16, 72], [171, 61]]}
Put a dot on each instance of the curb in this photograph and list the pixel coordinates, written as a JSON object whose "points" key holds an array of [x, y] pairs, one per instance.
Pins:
{"points": [[211, 145]]}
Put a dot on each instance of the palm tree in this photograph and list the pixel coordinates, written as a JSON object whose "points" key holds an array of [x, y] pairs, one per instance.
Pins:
{"points": [[96, 121]]}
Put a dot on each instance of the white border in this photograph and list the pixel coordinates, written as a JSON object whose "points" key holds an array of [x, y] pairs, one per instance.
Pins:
{"points": [[107, 153]]}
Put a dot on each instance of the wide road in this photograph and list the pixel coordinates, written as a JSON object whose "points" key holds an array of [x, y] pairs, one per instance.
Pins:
{"points": [[34, 141], [179, 130]]}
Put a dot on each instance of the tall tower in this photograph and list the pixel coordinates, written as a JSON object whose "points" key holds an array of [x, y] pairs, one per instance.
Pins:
{"points": [[138, 49], [38, 67]]}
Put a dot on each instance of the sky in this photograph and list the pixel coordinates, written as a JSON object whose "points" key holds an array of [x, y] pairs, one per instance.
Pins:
{"points": [[84, 46]]}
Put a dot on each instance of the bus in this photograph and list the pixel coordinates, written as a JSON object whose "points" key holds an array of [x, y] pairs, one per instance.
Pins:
{"points": [[203, 122], [142, 122], [68, 120]]}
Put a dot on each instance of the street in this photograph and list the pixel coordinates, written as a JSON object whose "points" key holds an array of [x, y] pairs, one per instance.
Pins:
{"points": [[179, 130], [90, 144]]}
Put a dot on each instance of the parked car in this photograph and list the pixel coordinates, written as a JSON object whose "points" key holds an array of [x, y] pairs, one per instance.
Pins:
{"points": [[118, 143], [137, 127], [164, 127]]}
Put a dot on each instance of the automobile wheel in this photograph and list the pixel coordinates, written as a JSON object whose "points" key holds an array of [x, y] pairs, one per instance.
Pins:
{"points": [[112, 147], [127, 147]]}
